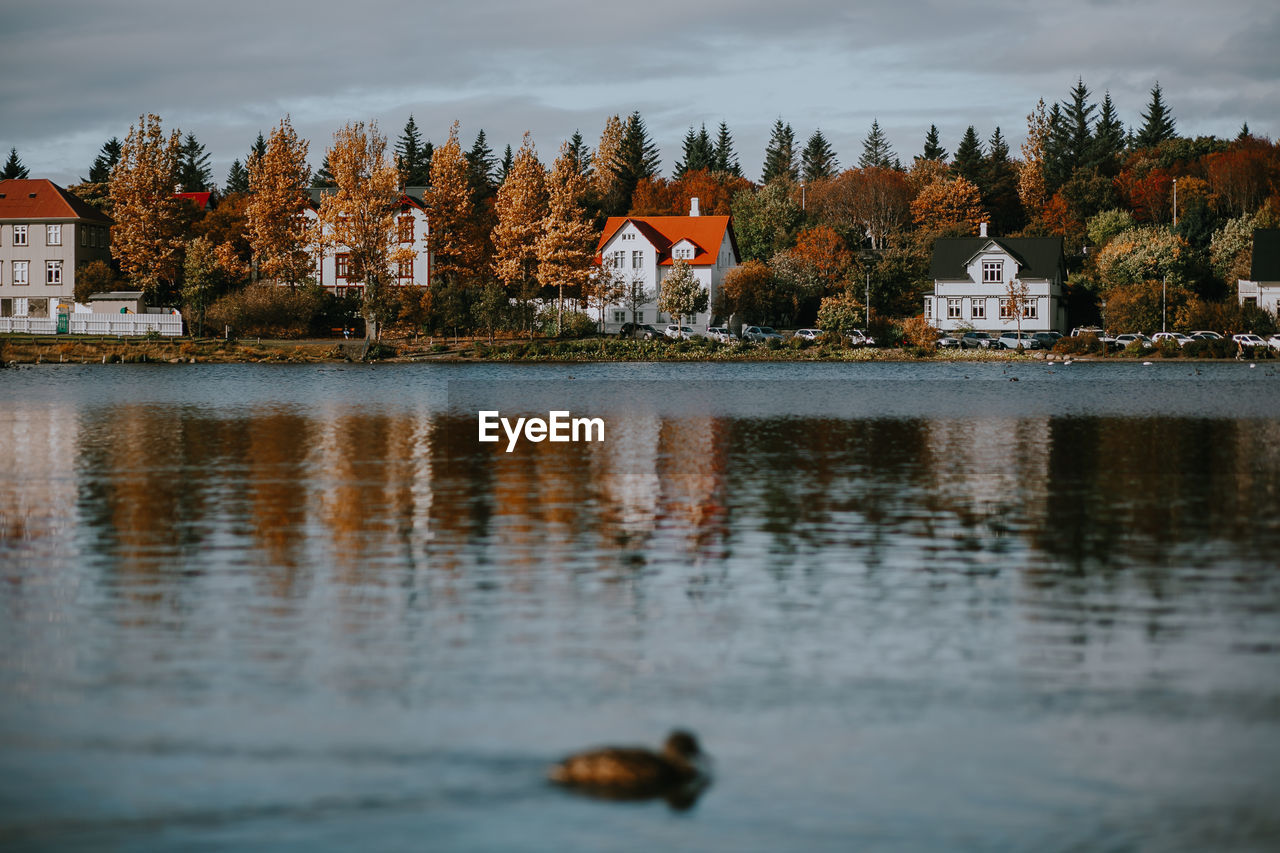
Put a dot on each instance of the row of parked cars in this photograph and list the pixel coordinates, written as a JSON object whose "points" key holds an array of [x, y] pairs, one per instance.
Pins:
{"points": [[1008, 340], [753, 334], [1119, 342]]}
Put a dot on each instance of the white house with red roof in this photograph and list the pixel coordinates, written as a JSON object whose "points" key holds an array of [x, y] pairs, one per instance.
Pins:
{"points": [[640, 251], [45, 234], [412, 230]]}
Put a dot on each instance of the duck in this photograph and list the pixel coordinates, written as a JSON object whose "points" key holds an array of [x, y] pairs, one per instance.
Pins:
{"points": [[678, 773]]}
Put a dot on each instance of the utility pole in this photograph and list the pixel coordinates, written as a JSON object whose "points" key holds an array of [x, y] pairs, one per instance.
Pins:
{"points": [[867, 304]]}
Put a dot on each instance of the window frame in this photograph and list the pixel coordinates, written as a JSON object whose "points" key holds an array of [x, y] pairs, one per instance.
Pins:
{"points": [[53, 234], [21, 236], [53, 273], [978, 308], [993, 272], [23, 280], [955, 308], [342, 266]]}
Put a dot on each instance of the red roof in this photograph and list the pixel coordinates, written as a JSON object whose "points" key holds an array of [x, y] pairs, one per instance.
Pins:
{"points": [[25, 199], [200, 200], [706, 233]]}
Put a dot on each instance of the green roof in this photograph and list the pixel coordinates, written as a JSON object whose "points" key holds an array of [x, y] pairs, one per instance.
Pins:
{"points": [[1266, 255], [1037, 257]]}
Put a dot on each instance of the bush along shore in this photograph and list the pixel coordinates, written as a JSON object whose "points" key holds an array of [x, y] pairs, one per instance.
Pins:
{"points": [[41, 349]]}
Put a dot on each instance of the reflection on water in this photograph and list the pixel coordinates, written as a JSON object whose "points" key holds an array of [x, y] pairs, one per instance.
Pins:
{"points": [[228, 599]]}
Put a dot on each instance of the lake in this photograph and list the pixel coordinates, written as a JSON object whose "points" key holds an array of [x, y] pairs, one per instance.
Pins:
{"points": [[933, 606]]}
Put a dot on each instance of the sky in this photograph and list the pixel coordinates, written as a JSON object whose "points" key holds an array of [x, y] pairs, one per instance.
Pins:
{"points": [[74, 73]]}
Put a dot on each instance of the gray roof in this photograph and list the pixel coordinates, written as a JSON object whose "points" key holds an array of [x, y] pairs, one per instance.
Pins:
{"points": [[1266, 255], [1038, 257]]}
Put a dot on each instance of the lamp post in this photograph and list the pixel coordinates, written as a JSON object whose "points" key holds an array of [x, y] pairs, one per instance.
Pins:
{"points": [[1163, 302], [1175, 202]]}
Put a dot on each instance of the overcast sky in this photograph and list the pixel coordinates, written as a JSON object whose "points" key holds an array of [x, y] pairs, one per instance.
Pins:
{"points": [[76, 72]]}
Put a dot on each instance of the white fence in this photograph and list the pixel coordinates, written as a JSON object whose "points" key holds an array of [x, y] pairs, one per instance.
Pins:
{"points": [[168, 325]]}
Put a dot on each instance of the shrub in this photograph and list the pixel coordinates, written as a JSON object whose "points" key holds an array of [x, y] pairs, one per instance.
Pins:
{"points": [[1079, 345], [1168, 349], [269, 310], [918, 332]]}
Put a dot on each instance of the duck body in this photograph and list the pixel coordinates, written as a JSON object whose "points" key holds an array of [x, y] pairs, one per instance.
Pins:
{"points": [[635, 772]]}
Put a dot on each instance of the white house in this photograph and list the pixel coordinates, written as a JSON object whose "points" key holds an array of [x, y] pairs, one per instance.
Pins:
{"points": [[971, 277], [1262, 288], [640, 251], [411, 230]]}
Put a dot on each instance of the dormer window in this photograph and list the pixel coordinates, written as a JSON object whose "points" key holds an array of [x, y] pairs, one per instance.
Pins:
{"points": [[628, 235], [993, 272], [683, 254]]}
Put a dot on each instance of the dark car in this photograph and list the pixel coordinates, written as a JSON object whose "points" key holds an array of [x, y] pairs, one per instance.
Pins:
{"points": [[979, 340], [643, 331], [1048, 340]]}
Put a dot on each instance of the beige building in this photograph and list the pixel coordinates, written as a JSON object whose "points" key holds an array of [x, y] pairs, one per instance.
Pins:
{"points": [[45, 234]]}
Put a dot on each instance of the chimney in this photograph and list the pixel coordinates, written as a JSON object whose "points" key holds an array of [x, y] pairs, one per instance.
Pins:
{"points": [[693, 206], [982, 229]]}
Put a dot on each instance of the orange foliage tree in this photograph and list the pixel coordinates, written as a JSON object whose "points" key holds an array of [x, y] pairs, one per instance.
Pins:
{"points": [[954, 203]]}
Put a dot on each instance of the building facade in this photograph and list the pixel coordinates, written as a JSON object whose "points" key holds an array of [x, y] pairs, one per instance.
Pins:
{"points": [[640, 251], [46, 233], [412, 230], [1262, 288], [972, 278]]}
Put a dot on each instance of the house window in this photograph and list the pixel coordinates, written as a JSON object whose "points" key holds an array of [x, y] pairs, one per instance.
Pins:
{"points": [[992, 272], [640, 317], [978, 309], [53, 235], [19, 307], [1006, 309], [1251, 300], [6, 307], [630, 235], [20, 273], [637, 260], [19, 235], [953, 309], [928, 307], [343, 263], [618, 258], [619, 316], [405, 226], [53, 272], [1030, 310], [406, 269]]}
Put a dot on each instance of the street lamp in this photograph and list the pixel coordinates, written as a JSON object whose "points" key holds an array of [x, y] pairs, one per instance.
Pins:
{"points": [[1175, 202], [1163, 303]]}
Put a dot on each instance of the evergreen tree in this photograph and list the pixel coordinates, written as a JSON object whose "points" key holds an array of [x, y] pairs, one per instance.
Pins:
{"points": [[970, 162], [259, 147], [1054, 160], [1078, 151], [1000, 187], [699, 153], [237, 178], [194, 174], [322, 178], [100, 170], [1244, 132], [780, 155], [1108, 139], [481, 165], [579, 155], [876, 150], [637, 160], [504, 167], [1157, 123], [818, 160], [725, 159], [13, 167], [932, 149], [413, 156]]}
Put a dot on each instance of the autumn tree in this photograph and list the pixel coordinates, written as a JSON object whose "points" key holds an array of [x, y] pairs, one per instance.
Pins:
{"points": [[277, 200], [566, 249], [204, 280], [863, 204], [455, 249], [681, 294], [520, 208], [606, 163], [948, 204], [748, 292], [146, 239], [360, 214], [1032, 187], [765, 221]]}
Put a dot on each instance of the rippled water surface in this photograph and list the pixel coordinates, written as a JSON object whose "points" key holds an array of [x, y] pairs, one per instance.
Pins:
{"points": [[905, 606]]}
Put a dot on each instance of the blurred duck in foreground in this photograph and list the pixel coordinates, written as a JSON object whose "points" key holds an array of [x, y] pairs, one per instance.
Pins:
{"points": [[679, 774]]}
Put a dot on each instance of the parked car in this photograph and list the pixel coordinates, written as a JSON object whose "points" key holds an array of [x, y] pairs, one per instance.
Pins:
{"points": [[1249, 340], [1205, 335], [643, 331], [1012, 340], [760, 334], [1047, 339], [979, 340], [681, 333], [808, 334], [1124, 340], [1087, 330], [721, 334], [1177, 337], [948, 340], [860, 338], [1274, 342]]}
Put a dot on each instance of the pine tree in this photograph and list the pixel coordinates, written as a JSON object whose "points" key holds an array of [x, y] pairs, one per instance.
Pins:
{"points": [[194, 174], [818, 161], [100, 170], [323, 178], [13, 167], [932, 149], [566, 250], [145, 239], [699, 153], [521, 207], [1108, 139], [454, 247], [259, 147], [1054, 161], [1077, 131], [481, 167], [726, 160], [413, 156], [639, 156], [1244, 133], [237, 178], [580, 155], [504, 167], [1000, 187], [1157, 122], [780, 155], [278, 197], [875, 149], [970, 162]]}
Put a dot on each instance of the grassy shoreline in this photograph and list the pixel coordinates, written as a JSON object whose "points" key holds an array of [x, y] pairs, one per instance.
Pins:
{"points": [[62, 349]]}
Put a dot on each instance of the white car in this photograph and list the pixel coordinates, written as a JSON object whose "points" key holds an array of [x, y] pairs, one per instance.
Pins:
{"points": [[1249, 340], [1177, 337], [859, 338], [1205, 335], [680, 333], [721, 334], [1274, 342], [1123, 341], [808, 334]]}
